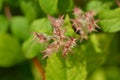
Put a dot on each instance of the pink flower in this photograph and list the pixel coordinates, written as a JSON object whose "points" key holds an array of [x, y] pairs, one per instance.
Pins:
{"points": [[77, 25], [68, 46], [56, 23], [77, 11], [47, 52], [41, 37]]}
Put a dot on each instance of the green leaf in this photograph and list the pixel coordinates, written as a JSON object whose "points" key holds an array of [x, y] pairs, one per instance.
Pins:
{"points": [[68, 27], [106, 73], [96, 49], [65, 5], [109, 73], [49, 6], [3, 24], [109, 14], [110, 25], [113, 57], [97, 6], [72, 67], [10, 51], [110, 20], [32, 48], [42, 26], [20, 27], [98, 75], [28, 8]]}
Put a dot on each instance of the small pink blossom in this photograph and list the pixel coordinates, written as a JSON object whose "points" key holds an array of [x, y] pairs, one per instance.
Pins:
{"points": [[77, 11], [68, 46], [41, 37], [56, 23]]}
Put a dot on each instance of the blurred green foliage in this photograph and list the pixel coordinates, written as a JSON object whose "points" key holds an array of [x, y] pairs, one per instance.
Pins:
{"points": [[20, 27], [3, 24], [94, 59], [10, 51]]}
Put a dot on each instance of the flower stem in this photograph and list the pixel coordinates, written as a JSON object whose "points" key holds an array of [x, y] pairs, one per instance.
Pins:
{"points": [[39, 67], [7, 11], [118, 2]]}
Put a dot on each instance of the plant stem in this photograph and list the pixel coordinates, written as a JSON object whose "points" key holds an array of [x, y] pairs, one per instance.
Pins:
{"points": [[7, 11], [39, 67], [118, 2]]}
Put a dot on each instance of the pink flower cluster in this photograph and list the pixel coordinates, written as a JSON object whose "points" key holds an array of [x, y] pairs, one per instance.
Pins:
{"points": [[82, 24]]}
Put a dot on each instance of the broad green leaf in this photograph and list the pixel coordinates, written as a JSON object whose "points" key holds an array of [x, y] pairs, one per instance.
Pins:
{"points": [[106, 73], [65, 5], [114, 53], [42, 26], [110, 20], [28, 8], [72, 67], [112, 73], [110, 25], [3, 24], [10, 51], [98, 75], [20, 27], [96, 49], [109, 14], [97, 6], [49, 6], [32, 48]]}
